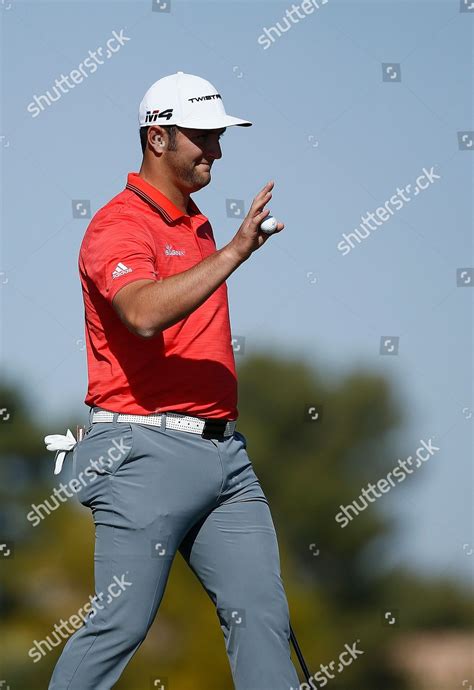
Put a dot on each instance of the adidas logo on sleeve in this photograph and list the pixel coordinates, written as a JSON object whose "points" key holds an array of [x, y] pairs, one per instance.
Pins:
{"points": [[121, 270]]}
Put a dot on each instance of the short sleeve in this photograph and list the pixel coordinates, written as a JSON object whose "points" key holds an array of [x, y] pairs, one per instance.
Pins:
{"points": [[119, 250]]}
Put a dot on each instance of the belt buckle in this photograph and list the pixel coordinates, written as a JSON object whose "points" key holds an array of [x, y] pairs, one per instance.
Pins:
{"points": [[214, 428]]}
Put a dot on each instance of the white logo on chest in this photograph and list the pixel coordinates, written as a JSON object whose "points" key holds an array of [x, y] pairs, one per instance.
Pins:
{"points": [[169, 251]]}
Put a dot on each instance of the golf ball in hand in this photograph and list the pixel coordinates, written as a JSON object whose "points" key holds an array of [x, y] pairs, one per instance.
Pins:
{"points": [[269, 225]]}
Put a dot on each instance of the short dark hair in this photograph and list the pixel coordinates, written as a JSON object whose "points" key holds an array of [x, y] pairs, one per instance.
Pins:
{"points": [[171, 129]]}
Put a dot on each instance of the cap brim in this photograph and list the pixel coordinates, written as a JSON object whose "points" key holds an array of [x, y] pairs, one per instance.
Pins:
{"points": [[213, 123]]}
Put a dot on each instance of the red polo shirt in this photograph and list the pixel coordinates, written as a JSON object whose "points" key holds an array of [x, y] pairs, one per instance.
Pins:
{"points": [[189, 367]]}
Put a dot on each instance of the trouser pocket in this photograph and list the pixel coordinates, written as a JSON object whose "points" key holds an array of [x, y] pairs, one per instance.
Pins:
{"points": [[100, 454], [241, 437]]}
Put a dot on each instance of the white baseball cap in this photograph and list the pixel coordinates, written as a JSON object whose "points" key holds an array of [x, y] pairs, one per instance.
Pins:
{"points": [[187, 101]]}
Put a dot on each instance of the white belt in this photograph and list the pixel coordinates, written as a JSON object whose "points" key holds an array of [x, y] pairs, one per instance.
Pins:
{"points": [[63, 444], [174, 420]]}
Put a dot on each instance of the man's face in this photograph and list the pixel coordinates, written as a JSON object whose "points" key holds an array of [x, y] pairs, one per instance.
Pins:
{"points": [[196, 150]]}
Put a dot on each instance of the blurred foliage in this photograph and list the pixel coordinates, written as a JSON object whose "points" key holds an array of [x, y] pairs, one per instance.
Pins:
{"points": [[337, 588]]}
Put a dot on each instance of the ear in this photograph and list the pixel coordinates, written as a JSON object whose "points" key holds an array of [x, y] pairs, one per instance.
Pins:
{"points": [[156, 139]]}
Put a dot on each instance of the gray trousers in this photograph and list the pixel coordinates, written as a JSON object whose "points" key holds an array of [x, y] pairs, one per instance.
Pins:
{"points": [[154, 491]]}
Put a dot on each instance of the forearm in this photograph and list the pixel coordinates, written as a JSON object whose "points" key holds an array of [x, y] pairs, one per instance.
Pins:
{"points": [[164, 303]]}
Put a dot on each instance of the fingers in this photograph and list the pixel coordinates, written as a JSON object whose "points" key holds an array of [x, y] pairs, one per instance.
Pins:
{"points": [[261, 215], [266, 191], [258, 212], [262, 198], [260, 206]]}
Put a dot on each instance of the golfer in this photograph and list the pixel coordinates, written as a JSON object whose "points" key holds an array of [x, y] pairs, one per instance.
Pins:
{"points": [[162, 466]]}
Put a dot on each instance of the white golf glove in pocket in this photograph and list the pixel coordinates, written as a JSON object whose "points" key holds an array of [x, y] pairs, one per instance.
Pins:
{"points": [[62, 445]]}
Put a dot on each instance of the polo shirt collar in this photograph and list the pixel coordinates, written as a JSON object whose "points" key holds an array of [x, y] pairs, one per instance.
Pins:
{"points": [[158, 200]]}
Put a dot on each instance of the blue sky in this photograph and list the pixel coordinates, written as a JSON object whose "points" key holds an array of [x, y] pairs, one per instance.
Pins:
{"points": [[337, 139]]}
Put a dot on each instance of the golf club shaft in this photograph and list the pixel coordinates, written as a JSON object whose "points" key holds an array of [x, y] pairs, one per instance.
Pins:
{"points": [[306, 672]]}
